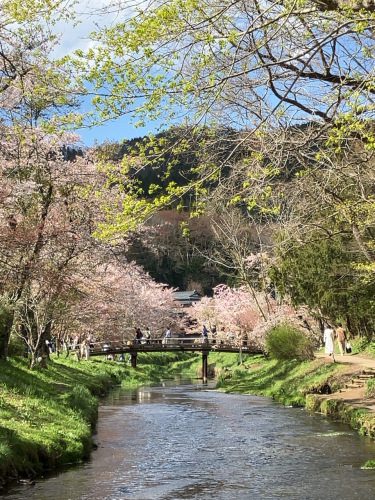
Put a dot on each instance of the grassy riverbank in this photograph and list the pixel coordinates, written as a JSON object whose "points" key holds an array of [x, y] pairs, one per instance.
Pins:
{"points": [[47, 416], [288, 382], [285, 381]]}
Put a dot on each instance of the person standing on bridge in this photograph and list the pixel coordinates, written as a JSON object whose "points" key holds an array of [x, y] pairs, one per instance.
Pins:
{"points": [[167, 336], [213, 334], [205, 334], [148, 335], [138, 335]]}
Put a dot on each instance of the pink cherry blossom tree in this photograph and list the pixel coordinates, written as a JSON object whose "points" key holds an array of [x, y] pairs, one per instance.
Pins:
{"points": [[58, 279], [117, 297], [238, 319]]}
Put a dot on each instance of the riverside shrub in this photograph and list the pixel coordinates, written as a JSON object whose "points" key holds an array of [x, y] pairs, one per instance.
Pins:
{"points": [[287, 342]]}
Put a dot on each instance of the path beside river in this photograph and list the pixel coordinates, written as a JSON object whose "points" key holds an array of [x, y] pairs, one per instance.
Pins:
{"points": [[354, 396]]}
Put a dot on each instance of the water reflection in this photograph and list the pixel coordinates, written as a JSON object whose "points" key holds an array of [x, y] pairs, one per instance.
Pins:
{"points": [[185, 442]]}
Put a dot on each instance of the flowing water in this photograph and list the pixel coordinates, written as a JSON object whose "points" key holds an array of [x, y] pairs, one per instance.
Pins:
{"points": [[184, 441]]}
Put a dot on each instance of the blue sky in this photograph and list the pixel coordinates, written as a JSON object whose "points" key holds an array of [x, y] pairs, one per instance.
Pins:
{"points": [[115, 130], [76, 36]]}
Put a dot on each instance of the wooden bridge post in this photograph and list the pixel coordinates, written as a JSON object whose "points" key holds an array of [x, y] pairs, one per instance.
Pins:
{"points": [[204, 366], [133, 359]]}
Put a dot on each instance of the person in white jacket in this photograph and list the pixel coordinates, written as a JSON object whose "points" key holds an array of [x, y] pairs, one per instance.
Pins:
{"points": [[328, 338], [167, 336]]}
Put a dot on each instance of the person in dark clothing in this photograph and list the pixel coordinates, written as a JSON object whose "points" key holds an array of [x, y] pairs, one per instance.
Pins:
{"points": [[205, 334], [138, 335]]}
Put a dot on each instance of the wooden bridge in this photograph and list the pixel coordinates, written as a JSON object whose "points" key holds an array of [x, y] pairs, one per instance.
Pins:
{"points": [[177, 344]]}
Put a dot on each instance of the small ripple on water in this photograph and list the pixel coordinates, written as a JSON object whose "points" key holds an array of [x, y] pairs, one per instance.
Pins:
{"points": [[333, 434]]}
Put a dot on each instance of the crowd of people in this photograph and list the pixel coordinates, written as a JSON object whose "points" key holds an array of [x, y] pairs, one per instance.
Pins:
{"points": [[207, 334]]}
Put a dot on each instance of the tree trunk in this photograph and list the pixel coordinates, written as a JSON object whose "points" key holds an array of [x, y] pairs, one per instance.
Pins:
{"points": [[33, 360], [42, 350], [39, 356], [6, 323], [349, 327]]}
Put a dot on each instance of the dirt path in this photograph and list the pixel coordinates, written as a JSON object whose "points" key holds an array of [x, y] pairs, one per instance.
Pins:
{"points": [[363, 368]]}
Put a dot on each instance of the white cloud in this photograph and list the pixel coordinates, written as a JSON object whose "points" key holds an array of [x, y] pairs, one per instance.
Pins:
{"points": [[91, 15]]}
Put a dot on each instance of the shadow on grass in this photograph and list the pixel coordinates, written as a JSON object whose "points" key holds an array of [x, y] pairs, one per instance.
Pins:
{"points": [[16, 376]]}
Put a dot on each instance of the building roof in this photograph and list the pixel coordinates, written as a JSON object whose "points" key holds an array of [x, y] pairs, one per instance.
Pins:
{"points": [[187, 297]]}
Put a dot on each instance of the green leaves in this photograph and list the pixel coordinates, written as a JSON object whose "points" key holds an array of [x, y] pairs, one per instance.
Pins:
{"points": [[32, 10]]}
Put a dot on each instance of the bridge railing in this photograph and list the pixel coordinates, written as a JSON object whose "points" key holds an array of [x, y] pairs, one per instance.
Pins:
{"points": [[197, 342]]}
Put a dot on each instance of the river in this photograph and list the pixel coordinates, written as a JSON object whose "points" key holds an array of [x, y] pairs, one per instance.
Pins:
{"points": [[184, 441]]}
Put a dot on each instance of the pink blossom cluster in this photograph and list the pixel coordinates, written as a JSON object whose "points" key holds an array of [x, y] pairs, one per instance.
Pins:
{"points": [[241, 314]]}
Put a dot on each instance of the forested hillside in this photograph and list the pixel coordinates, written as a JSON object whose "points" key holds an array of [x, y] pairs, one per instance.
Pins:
{"points": [[285, 219]]}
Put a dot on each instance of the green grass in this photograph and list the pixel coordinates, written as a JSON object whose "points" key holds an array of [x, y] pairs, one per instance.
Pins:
{"points": [[361, 345], [370, 464], [158, 366], [285, 381], [47, 416]]}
